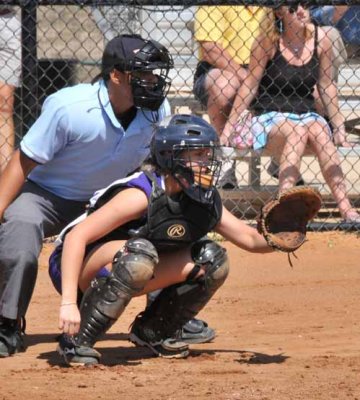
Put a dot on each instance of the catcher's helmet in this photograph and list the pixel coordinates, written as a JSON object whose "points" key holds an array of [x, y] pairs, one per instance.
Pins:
{"points": [[171, 149], [132, 53]]}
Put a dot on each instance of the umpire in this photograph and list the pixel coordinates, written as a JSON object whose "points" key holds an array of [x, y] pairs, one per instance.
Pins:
{"points": [[86, 137]]}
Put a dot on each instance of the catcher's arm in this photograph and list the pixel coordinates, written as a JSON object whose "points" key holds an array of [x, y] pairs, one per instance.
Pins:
{"points": [[241, 234]]}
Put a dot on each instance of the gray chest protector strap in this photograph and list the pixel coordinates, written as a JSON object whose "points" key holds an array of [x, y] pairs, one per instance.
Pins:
{"points": [[106, 299], [177, 304]]}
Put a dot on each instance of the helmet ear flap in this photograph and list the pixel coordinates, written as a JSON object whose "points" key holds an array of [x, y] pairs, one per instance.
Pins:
{"points": [[164, 159]]}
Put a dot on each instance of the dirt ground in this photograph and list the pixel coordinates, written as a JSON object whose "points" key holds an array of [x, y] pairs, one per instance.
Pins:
{"points": [[282, 333]]}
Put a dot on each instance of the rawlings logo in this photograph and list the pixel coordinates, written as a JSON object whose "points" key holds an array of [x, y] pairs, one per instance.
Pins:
{"points": [[176, 231]]}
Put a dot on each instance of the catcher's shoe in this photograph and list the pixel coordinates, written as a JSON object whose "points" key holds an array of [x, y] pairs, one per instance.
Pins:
{"points": [[74, 355], [141, 335], [12, 334], [196, 331]]}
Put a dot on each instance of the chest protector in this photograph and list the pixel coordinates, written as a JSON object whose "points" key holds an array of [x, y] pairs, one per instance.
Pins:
{"points": [[170, 222], [178, 221]]}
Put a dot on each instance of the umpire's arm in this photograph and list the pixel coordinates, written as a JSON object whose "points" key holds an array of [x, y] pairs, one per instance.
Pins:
{"points": [[13, 178]]}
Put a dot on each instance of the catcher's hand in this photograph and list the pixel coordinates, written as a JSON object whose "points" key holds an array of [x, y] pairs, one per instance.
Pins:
{"points": [[283, 220]]}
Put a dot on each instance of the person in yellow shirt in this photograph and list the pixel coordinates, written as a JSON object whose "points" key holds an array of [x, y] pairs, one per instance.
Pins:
{"points": [[225, 35]]}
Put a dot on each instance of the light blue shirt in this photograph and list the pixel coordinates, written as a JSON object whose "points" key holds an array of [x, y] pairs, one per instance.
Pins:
{"points": [[82, 144]]}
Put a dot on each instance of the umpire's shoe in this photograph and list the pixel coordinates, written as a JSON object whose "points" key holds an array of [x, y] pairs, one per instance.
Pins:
{"points": [[142, 335], [11, 337], [74, 355], [196, 331]]}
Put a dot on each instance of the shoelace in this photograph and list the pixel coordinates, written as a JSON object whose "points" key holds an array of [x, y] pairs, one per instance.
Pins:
{"points": [[22, 325], [289, 258]]}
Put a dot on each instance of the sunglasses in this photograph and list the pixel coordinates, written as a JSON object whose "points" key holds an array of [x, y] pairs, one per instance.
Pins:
{"points": [[293, 9]]}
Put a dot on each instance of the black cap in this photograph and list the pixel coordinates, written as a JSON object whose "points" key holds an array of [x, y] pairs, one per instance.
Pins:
{"points": [[130, 53], [120, 52]]}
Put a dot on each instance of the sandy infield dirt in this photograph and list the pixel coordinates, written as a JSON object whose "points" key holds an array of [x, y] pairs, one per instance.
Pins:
{"points": [[282, 333]]}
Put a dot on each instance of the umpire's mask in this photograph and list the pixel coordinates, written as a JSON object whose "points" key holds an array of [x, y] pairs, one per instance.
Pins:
{"points": [[148, 63], [149, 76]]}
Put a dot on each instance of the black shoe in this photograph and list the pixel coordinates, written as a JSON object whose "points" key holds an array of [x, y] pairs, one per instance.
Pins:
{"points": [[196, 331], [227, 180], [273, 170], [141, 335], [11, 337], [74, 355], [227, 186]]}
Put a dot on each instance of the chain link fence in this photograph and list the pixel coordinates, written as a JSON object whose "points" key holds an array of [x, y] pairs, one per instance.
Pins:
{"points": [[62, 43]]}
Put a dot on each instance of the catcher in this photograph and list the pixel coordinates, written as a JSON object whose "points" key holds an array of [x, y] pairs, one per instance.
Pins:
{"points": [[148, 232]]}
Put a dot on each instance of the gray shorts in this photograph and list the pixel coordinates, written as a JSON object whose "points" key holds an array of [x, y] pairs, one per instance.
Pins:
{"points": [[10, 49]]}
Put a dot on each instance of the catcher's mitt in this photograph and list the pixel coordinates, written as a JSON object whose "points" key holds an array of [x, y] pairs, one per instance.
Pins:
{"points": [[283, 220]]}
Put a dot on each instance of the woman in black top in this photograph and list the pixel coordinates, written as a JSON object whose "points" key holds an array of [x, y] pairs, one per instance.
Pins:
{"points": [[284, 70]]}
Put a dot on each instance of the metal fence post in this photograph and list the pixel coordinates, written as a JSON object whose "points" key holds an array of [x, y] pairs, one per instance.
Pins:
{"points": [[29, 65]]}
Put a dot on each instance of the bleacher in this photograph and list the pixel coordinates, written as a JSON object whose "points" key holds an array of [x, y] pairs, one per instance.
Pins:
{"points": [[255, 185], [174, 29]]}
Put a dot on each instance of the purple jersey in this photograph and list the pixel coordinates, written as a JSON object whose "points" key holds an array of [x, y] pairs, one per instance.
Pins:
{"points": [[137, 180]]}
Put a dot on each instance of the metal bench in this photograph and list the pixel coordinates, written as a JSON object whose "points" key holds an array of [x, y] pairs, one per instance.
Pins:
{"points": [[252, 157], [252, 193]]}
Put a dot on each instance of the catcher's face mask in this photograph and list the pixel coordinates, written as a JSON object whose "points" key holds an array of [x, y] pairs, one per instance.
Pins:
{"points": [[197, 170]]}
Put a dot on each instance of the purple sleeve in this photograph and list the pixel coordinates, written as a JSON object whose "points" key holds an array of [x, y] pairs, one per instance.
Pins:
{"points": [[143, 183]]}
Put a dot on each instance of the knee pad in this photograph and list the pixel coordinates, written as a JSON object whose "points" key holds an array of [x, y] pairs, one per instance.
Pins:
{"points": [[106, 299], [213, 258], [133, 266]]}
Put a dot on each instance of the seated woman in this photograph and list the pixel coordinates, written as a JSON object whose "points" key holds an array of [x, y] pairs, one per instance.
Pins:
{"points": [[159, 219], [284, 70]]}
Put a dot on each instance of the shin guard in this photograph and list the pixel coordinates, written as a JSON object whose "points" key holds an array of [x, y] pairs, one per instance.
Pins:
{"points": [[177, 304], [106, 299]]}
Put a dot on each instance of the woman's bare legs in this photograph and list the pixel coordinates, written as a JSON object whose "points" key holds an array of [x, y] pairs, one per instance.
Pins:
{"points": [[289, 141], [172, 268], [330, 165], [221, 86]]}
